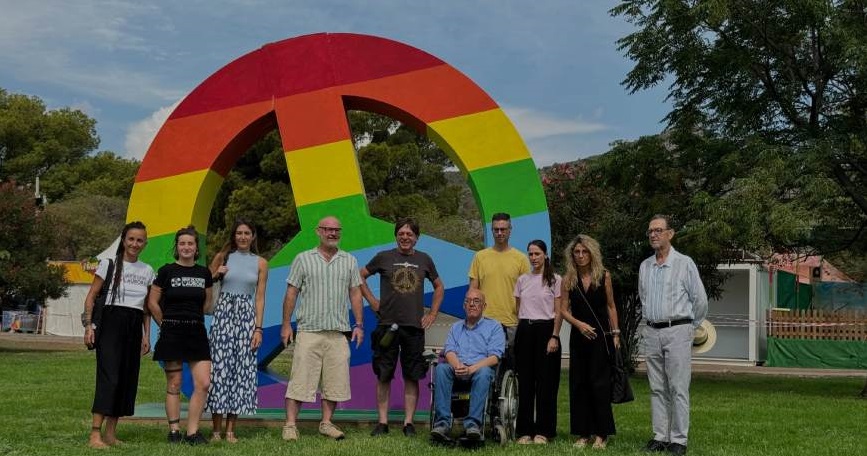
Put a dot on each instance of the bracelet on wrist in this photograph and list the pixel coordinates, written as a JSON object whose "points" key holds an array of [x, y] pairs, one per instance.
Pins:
{"points": [[554, 336]]}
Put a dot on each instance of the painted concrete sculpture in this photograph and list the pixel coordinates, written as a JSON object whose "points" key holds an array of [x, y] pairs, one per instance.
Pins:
{"points": [[304, 86]]}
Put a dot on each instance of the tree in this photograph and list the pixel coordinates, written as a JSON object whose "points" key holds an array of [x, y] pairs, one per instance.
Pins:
{"points": [[34, 140], [103, 174], [406, 174], [791, 75], [270, 205], [86, 225], [27, 237], [257, 189], [612, 197]]}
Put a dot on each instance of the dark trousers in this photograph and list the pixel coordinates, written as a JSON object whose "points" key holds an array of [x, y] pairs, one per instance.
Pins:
{"points": [[538, 378], [118, 358], [590, 410]]}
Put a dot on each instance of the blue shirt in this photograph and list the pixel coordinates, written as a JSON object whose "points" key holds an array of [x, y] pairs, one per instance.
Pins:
{"points": [[474, 344], [672, 290]]}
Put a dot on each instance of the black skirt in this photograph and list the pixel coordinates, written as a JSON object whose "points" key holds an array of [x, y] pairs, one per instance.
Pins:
{"points": [[182, 340]]}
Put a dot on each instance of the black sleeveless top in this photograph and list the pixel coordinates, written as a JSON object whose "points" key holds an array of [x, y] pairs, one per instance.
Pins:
{"points": [[595, 296]]}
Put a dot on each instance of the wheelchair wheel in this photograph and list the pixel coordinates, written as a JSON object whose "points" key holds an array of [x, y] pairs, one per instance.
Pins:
{"points": [[500, 435], [509, 404]]}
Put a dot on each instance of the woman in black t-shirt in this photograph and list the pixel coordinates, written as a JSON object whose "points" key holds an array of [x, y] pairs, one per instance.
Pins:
{"points": [[179, 297]]}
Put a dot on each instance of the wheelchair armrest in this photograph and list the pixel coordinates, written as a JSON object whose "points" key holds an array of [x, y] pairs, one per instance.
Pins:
{"points": [[429, 356]]}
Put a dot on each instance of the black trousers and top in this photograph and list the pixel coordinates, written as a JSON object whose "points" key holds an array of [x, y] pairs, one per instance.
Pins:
{"points": [[590, 411], [538, 378]]}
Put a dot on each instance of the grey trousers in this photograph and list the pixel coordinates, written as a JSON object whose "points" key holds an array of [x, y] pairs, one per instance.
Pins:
{"points": [[668, 353]]}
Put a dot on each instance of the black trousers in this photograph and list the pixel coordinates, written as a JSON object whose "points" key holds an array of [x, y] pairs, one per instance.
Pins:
{"points": [[538, 378], [590, 411], [118, 359]]}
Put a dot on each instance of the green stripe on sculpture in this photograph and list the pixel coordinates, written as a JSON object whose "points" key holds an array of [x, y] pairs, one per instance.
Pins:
{"points": [[359, 229], [512, 187]]}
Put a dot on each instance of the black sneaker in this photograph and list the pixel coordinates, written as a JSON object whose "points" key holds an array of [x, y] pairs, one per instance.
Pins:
{"points": [[409, 430], [474, 433], [654, 446], [175, 437], [195, 439], [381, 428]]}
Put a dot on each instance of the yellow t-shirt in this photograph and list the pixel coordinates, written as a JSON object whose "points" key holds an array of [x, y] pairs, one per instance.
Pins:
{"points": [[497, 273]]}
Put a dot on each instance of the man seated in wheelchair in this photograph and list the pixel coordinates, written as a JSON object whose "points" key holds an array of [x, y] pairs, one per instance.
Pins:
{"points": [[472, 350]]}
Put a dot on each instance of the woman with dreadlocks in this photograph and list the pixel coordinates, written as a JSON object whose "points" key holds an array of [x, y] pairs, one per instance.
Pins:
{"points": [[119, 333]]}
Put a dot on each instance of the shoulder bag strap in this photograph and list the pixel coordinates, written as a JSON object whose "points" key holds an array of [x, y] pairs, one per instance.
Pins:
{"points": [[581, 292]]}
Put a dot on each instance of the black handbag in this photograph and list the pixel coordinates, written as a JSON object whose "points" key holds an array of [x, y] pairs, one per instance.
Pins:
{"points": [[621, 390], [99, 304]]}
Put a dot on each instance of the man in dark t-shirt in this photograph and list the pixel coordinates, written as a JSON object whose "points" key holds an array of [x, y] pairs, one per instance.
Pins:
{"points": [[401, 276]]}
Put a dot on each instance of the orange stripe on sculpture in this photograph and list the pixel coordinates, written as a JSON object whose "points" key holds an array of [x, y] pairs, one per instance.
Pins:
{"points": [[213, 140]]}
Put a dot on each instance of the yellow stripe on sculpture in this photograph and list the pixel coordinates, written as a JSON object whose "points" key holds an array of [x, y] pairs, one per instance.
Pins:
{"points": [[172, 201], [483, 139], [323, 173]]}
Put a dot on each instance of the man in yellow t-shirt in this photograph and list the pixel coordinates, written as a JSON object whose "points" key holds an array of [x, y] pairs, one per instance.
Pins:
{"points": [[494, 271]]}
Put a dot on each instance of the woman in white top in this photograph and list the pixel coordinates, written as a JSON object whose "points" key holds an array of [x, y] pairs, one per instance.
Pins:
{"points": [[120, 332], [537, 347]]}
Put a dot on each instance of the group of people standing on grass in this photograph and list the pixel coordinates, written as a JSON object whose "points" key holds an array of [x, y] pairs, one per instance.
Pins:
{"points": [[222, 364], [518, 294]]}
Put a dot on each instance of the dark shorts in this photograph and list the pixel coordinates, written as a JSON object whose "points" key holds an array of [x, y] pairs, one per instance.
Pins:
{"points": [[409, 344]]}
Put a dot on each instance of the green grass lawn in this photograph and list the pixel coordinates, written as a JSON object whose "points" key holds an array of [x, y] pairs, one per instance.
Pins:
{"points": [[45, 400]]}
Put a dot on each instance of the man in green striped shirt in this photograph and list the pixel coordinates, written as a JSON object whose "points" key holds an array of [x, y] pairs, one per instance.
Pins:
{"points": [[325, 278]]}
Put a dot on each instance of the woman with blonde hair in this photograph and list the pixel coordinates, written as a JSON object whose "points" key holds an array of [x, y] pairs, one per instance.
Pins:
{"points": [[595, 335]]}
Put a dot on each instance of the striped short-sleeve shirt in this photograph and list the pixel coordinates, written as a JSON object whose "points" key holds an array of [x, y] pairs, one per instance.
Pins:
{"points": [[324, 286]]}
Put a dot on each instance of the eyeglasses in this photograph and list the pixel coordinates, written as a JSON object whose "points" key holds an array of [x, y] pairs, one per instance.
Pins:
{"points": [[329, 229], [473, 302], [657, 231]]}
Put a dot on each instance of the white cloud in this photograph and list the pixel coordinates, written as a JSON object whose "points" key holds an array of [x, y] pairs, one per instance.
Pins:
{"points": [[533, 124], [140, 134], [84, 47]]}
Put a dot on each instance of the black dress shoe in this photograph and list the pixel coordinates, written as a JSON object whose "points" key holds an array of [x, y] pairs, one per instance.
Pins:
{"points": [[409, 430], [676, 448], [654, 446]]}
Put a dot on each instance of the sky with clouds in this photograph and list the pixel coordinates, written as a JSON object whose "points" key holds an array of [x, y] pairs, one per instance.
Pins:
{"points": [[552, 65]]}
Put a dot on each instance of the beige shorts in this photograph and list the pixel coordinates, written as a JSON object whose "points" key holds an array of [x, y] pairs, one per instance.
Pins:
{"points": [[321, 360]]}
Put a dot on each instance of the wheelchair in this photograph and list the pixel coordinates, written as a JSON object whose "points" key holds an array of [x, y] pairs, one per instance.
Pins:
{"points": [[501, 407]]}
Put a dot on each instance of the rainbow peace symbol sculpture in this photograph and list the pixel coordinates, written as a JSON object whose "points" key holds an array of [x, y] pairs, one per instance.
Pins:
{"points": [[304, 86]]}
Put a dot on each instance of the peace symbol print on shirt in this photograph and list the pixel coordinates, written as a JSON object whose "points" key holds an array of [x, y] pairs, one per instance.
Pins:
{"points": [[303, 86]]}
